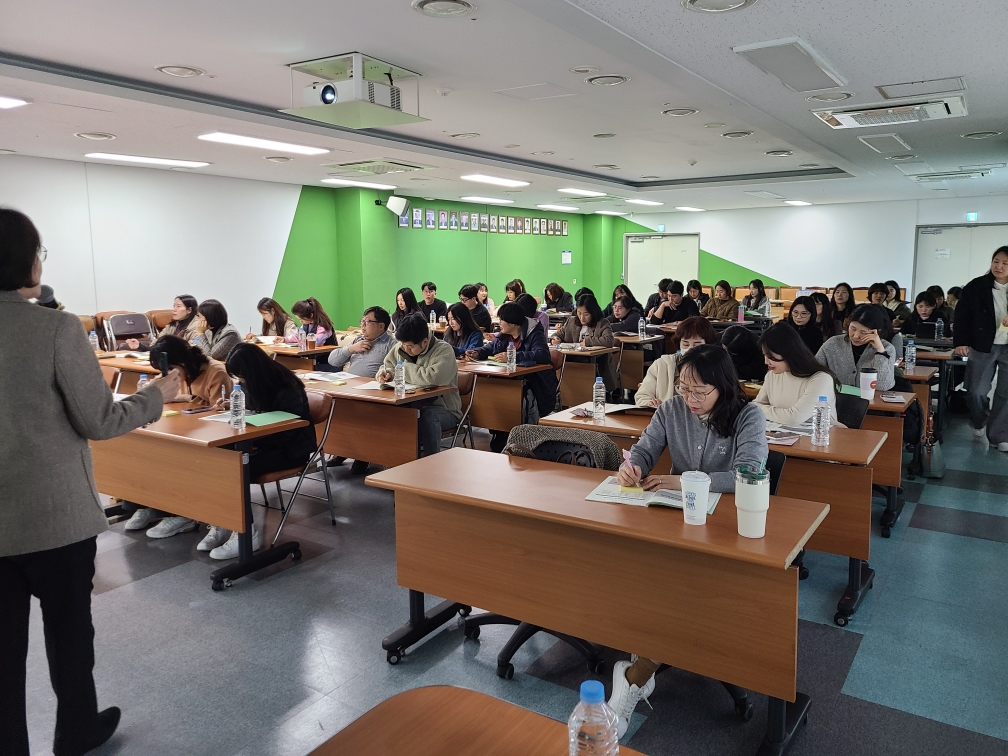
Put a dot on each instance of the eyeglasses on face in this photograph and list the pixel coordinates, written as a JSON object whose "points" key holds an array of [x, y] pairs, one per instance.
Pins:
{"points": [[365, 321], [42, 253], [689, 393]]}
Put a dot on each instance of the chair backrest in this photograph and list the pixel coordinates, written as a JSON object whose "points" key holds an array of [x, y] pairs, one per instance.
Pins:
{"points": [[130, 325], [567, 445], [320, 407], [111, 376], [100, 319], [775, 465], [851, 410], [88, 322], [159, 318], [741, 291], [466, 382], [788, 292]]}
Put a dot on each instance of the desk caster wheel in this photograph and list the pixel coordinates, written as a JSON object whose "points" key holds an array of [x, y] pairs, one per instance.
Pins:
{"points": [[465, 611], [885, 531], [217, 585], [744, 710], [393, 657], [295, 555], [507, 671], [803, 573], [597, 666], [841, 619], [472, 633]]}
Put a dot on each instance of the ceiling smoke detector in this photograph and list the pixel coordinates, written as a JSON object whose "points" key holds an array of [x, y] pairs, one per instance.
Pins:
{"points": [[584, 69], [465, 135], [716, 6], [809, 165], [443, 8], [779, 153], [182, 72], [95, 136], [680, 112], [737, 134], [607, 80], [650, 178], [544, 152], [606, 167], [279, 158], [830, 97], [511, 146], [981, 135], [604, 136]]}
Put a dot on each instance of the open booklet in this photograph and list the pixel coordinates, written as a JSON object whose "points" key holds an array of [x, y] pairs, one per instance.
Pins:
{"points": [[337, 378], [786, 435], [610, 409], [609, 491]]}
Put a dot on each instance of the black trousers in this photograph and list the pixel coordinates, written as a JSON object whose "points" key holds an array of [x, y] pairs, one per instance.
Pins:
{"points": [[62, 581]]}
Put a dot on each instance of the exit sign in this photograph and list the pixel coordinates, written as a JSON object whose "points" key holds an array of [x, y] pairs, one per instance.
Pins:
{"points": [[971, 217], [661, 228]]}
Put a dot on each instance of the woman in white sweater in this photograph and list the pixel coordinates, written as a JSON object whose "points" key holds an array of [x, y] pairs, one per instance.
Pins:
{"points": [[659, 384], [795, 379]]}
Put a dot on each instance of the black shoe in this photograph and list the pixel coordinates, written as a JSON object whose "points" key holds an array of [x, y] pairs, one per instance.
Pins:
{"points": [[359, 467], [335, 461], [108, 721]]}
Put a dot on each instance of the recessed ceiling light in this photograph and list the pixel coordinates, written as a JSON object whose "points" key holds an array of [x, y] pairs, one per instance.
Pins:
{"points": [[607, 80], [543, 152], [608, 212], [581, 192], [713, 125], [809, 165], [829, 97], [263, 144], [897, 158], [181, 72], [147, 160], [679, 112], [606, 167], [797, 203], [973, 135], [584, 69], [495, 180], [649, 203], [716, 6], [511, 146], [465, 135], [604, 136], [737, 134], [691, 209], [443, 8], [279, 158], [559, 208], [95, 136], [488, 200], [779, 153], [6, 103], [354, 182]]}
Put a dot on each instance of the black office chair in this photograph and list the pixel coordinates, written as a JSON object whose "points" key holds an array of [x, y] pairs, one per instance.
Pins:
{"points": [[851, 410]]}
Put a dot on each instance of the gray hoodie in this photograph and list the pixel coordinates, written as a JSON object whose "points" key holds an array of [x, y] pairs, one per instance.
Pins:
{"points": [[694, 445]]}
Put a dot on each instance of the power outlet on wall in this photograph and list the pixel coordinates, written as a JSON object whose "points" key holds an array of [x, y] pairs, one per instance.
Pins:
{"points": [[575, 280]]}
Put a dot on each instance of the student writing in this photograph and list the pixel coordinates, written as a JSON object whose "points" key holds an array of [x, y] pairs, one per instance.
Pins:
{"points": [[462, 333], [588, 328], [555, 298], [675, 307], [695, 292], [795, 379], [275, 322]]}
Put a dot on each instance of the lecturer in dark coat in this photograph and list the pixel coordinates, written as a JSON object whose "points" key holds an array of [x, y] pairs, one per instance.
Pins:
{"points": [[54, 400]]}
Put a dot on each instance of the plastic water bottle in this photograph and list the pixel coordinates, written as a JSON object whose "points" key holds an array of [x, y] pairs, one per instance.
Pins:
{"points": [[142, 382], [821, 422], [910, 355], [237, 420], [302, 339], [93, 340], [741, 314], [641, 329], [939, 329], [512, 360], [433, 318], [591, 729], [598, 401], [399, 379]]}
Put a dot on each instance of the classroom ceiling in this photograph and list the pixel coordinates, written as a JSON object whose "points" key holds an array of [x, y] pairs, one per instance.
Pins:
{"points": [[89, 67]]}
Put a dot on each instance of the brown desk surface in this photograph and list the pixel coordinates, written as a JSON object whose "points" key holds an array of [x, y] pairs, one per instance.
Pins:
{"points": [[128, 364], [193, 429], [500, 371], [669, 327], [589, 352], [379, 396], [556, 493], [293, 351], [635, 339], [448, 721], [877, 405], [924, 354], [630, 423], [920, 374]]}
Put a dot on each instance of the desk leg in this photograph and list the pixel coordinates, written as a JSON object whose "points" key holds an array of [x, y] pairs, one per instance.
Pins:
{"points": [[860, 578], [420, 624], [248, 562], [894, 506], [944, 370], [783, 721]]}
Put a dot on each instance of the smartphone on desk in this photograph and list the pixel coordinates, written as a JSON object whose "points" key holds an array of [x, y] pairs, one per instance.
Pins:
{"points": [[197, 410]]}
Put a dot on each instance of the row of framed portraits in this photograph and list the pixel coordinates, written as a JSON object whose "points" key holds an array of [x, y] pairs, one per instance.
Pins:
{"points": [[455, 220]]}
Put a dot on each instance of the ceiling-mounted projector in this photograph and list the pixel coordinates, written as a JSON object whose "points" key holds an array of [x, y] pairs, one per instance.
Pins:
{"points": [[398, 205], [322, 94]]}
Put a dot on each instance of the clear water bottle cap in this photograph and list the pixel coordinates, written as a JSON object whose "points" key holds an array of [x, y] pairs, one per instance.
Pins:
{"points": [[592, 692], [822, 399]]}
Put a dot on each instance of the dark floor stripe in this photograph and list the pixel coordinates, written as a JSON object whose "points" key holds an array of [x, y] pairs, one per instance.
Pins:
{"points": [[973, 481], [960, 522]]}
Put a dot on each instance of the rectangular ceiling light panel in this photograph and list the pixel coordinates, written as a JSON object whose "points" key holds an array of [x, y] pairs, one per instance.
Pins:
{"points": [[885, 144], [922, 88], [766, 195], [535, 92], [793, 62]]}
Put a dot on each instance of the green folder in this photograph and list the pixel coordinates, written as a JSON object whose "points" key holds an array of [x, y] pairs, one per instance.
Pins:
{"points": [[850, 390], [269, 418]]}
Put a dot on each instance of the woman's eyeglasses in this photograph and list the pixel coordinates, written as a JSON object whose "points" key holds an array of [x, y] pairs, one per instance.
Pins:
{"points": [[42, 253], [689, 393]]}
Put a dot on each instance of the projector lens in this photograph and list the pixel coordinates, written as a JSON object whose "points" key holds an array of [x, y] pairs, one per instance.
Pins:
{"points": [[328, 95]]}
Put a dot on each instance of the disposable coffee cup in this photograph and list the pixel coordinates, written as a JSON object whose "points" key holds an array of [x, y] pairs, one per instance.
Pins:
{"points": [[695, 489], [752, 500], [869, 379]]}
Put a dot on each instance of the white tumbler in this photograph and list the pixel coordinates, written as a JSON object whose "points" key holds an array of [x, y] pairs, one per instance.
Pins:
{"points": [[752, 500]]}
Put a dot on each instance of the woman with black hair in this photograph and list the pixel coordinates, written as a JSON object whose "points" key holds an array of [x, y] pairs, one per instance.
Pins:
{"points": [[406, 305], [707, 426], [894, 303], [483, 296], [632, 303], [555, 298], [945, 311], [531, 309], [925, 311], [462, 332], [215, 337], [695, 292], [514, 289], [842, 304], [861, 347], [795, 379], [588, 328], [315, 321], [275, 322], [743, 346], [801, 318], [757, 299], [723, 306], [181, 325], [824, 315]]}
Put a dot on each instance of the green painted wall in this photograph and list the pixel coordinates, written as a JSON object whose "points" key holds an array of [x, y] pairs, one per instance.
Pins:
{"points": [[714, 269], [309, 266]]}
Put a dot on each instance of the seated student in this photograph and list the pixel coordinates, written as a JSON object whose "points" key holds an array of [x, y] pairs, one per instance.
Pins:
{"points": [[469, 296], [657, 298], [531, 309], [723, 306], [205, 382], [406, 305], [743, 346], [925, 311], [582, 291], [842, 304], [623, 317], [945, 311], [183, 314], [795, 379], [276, 322], [675, 307], [555, 298], [695, 292], [952, 298], [588, 328], [214, 335], [514, 289], [268, 387], [462, 333], [894, 303], [800, 318], [365, 354], [707, 426], [660, 381], [430, 302], [427, 361], [315, 321], [632, 303], [757, 299], [483, 295], [824, 314], [861, 347]]}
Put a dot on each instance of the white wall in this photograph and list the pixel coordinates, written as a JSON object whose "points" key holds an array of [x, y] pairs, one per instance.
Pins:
{"points": [[860, 243], [134, 238]]}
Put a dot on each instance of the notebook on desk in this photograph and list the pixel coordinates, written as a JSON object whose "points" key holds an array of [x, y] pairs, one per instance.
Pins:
{"points": [[609, 491]]}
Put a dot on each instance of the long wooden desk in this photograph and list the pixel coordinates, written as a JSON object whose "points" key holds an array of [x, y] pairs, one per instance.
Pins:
{"points": [[498, 401], [531, 541], [194, 468], [577, 378], [130, 368], [888, 417], [294, 358], [631, 364], [373, 424], [447, 721]]}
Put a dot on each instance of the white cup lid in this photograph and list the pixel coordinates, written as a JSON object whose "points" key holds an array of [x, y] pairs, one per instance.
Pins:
{"points": [[695, 476]]}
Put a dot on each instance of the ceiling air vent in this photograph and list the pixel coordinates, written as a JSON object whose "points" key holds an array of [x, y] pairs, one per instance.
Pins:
{"points": [[910, 112], [926, 178], [372, 168]]}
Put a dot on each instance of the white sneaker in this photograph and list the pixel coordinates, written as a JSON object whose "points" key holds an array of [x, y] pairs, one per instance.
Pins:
{"points": [[213, 539], [980, 432], [229, 550], [1003, 446], [141, 519], [170, 526], [625, 697]]}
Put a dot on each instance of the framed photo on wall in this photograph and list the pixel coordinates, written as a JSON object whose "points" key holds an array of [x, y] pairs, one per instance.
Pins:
{"points": [[442, 222], [502, 224], [549, 227], [564, 228], [484, 223], [417, 217], [528, 225], [453, 221], [431, 218], [404, 220], [474, 221], [542, 225], [493, 224], [464, 221], [511, 224], [535, 225]]}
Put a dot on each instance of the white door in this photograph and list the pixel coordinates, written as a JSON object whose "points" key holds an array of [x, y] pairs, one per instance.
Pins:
{"points": [[648, 258]]}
